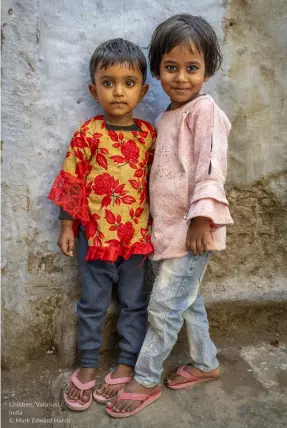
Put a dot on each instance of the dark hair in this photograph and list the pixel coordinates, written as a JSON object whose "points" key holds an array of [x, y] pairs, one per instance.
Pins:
{"points": [[118, 51], [185, 28]]}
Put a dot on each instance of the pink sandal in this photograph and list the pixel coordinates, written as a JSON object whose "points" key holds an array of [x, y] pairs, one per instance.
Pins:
{"points": [[192, 380], [146, 401], [79, 405], [109, 381]]}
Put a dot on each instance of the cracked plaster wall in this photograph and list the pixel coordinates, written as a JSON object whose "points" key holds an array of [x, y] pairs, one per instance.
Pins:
{"points": [[46, 48]]}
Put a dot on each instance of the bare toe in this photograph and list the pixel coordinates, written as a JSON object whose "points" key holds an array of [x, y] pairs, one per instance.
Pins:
{"points": [[105, 392], [126, 406], [174, 379], [111, 403], [101, 388], [109, 392], [76, 394], [71, 392], [86, 395], [114, 392], [119, 406]]}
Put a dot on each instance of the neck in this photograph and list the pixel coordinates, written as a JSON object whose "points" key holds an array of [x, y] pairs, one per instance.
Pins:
{"points": [[175, 105], [126, 120]]}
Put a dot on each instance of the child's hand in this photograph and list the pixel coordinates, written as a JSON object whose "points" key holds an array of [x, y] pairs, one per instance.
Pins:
{"points": [[66, 240], [199, 238]]}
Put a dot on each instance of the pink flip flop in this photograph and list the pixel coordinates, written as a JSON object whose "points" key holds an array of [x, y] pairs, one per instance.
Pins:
{"points": [[108, 380], [192, 380], [146, 401], [79, 405]]}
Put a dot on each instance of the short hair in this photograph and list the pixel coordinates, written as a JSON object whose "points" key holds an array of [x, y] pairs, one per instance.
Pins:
{"points": [[118, 51], [180, 29]]}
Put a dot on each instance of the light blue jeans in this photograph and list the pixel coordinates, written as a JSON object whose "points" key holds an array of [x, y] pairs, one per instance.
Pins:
{"points": [[175, 298]]}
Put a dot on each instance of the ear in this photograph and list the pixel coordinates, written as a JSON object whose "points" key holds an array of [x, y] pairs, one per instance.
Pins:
{"points": [[144, 90], [94, 92], [206, 78]]}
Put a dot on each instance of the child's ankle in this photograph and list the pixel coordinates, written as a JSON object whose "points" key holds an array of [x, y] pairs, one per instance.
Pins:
{"points": [[124, 370]]}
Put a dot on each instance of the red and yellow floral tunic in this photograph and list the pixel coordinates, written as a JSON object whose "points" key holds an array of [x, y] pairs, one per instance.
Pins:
{"points": [[103, 185]]}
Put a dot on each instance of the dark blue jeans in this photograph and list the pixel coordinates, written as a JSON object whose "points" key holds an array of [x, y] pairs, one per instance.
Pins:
{"points": [[97, 279]]}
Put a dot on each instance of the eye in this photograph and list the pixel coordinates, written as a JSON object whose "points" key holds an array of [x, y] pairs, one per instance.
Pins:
{"points": [[171, 68], [130, 83], [108, 83], [192, 68]]}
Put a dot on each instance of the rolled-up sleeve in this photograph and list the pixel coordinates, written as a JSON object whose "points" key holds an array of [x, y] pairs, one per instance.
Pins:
{"points": [[210, 128]]}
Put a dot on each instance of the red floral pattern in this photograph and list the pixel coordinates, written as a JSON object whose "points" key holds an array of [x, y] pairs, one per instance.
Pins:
{"points": [[103, 184]]}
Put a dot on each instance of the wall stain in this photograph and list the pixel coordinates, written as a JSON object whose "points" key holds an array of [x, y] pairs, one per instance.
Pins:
{"points": [[28, 199], [43, 262], [37, 31], [267, 72], [2, 37], [29, 63]]}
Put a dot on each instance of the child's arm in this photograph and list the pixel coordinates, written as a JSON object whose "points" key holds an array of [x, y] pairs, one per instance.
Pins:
{"points": [[208, 206], [66, 240]]}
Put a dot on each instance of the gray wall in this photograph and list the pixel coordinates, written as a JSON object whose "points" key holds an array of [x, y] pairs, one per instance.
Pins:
{"points": [[46, 49]]}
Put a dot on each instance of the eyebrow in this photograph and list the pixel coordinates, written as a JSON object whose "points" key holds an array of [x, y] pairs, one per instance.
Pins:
{"points": [[106, 76], [169, 61]]}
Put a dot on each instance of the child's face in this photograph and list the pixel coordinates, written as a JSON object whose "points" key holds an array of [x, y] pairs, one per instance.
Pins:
{"points": [[182, 74], [118, 89]]}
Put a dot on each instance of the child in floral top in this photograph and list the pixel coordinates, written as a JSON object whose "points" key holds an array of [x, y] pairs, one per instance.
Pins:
{"points": [[102, 191]]}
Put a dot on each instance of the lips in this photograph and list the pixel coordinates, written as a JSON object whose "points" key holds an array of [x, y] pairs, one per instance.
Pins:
{"points": [[180, 89]]}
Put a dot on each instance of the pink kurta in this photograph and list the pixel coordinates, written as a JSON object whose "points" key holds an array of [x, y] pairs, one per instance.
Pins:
{"points": [[188, 174]]}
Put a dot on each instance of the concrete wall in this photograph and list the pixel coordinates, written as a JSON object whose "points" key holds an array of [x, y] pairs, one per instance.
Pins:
{"points": [[46, 49]]}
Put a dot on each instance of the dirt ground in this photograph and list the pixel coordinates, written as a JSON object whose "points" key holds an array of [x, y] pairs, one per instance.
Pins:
{"points": [[252, 391]]}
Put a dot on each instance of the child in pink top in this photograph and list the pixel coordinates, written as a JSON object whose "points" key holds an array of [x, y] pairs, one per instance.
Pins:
{"points": [[188, 206]]}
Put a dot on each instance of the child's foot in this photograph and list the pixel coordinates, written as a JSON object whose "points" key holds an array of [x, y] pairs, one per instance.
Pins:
{"points": [[85, 375], [132, 387], [109, 391], [176, 379]]}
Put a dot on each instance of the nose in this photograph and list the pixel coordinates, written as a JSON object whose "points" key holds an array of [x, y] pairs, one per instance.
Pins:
{"points": [[118, 90], [181, 76]]}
